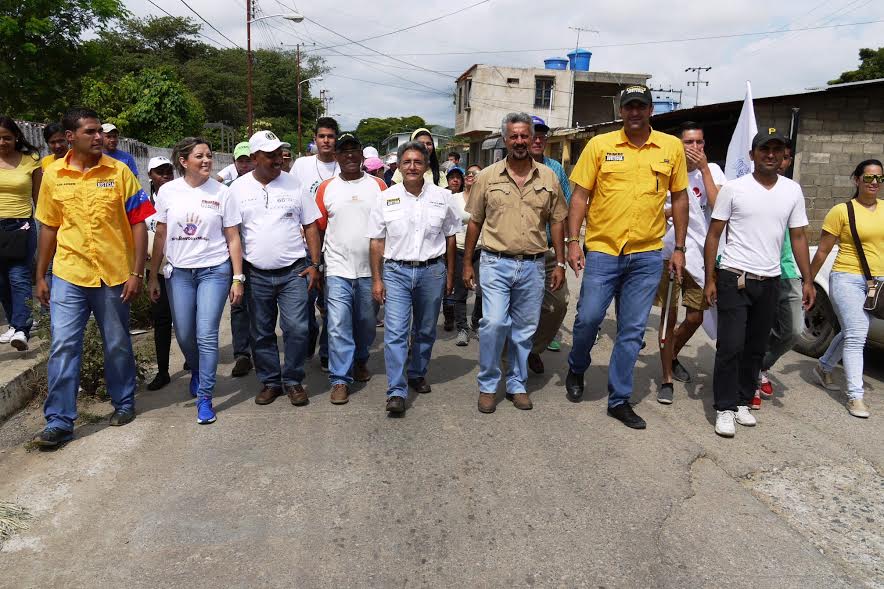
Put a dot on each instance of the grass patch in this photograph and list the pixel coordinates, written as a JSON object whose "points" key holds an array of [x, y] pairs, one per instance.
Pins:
{"points": [[13, 518]]}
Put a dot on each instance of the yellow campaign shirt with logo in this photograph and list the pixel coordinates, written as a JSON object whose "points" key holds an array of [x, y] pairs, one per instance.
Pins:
{"points": [[629, 186], [94, 211]]}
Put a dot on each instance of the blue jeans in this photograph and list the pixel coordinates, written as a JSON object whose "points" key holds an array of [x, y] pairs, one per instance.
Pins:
{"points": [[848, 293], [512, 292], [412, 292], [197, 297], [281, 293], [69, 309], [633, 280], [15, 279], [351, 325]]}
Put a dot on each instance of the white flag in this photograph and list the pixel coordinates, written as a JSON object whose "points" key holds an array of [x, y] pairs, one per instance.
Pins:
{"points": [[738, 162]]}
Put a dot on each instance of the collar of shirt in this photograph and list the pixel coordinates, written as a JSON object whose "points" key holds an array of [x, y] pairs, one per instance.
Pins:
{"points": [[653, 139], [509, 172], [417, 196], [105, 161]]}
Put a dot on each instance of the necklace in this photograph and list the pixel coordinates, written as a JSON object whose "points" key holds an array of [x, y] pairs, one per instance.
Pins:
{"points": [[318, 173]]}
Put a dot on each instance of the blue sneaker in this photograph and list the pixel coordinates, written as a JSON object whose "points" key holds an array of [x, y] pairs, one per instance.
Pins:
{"points": [[204, 412], [194, 383]]}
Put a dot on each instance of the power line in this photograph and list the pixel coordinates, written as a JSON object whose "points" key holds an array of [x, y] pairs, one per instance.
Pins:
{"points": [[389, 85], [210, 24], [198, 32]]}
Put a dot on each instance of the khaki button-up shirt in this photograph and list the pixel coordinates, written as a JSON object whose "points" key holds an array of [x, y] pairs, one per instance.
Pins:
{"points": [[514, 217]]}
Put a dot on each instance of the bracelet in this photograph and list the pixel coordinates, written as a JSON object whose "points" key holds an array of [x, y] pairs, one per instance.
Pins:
{"points": [[236, 281], [136, 275]]}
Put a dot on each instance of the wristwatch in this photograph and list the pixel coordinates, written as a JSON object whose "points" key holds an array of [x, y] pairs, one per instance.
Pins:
{"points": [[569, 239], [320, 267], [681, 248], [239, 278], [562, 265]]}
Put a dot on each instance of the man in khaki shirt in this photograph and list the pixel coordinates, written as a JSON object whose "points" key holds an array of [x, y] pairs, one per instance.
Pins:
{"points": [[511, 204]]}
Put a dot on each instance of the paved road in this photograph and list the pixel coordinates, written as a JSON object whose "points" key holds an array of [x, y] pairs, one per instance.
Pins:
{"points": [[563, 495]]}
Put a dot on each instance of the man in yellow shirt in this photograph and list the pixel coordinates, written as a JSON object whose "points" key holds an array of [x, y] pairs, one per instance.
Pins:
{"points": [[621, 183], [92, 211]]}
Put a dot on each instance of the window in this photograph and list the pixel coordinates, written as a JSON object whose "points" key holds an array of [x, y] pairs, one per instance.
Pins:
{"points": [[543, 89], [467, 88], [460, 99], [512, 81]]}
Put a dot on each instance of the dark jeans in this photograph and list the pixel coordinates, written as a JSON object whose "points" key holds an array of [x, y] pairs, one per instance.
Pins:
{"points": [[745, 318], [457, 302], [239, 326], [161, 315], [15, 279]]}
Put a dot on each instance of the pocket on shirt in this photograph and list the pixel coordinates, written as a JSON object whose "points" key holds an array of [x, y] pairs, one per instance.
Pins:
{"points": [[662, 174], [434, 223], [499, 196], [396, 222]]}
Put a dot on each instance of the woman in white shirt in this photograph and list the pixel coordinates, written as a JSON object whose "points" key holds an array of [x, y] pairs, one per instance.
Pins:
{"points": [[204, 253]]}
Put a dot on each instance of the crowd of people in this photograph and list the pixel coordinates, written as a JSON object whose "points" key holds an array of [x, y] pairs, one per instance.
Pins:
{"points": [[319, 244]]}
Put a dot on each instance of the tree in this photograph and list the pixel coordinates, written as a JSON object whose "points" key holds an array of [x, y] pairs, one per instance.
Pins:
{"points": [[44, 55], [372, 131], [871, 67], [153, 106]]}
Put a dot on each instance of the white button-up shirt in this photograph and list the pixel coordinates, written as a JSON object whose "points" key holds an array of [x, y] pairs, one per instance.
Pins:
{"points": [[414, 227]]}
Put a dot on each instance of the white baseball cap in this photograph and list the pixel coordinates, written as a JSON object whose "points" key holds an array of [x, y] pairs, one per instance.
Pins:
{"points": [[156, 162], [265, 141], [391, 159], [108, 127], [369, 151]]}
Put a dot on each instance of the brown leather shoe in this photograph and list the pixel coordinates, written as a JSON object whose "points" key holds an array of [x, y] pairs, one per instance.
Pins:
{"points": [[535, 363], [340, 394], [420, 385], [521, 401], [486, 403], [361, 373], [268, 395], [297, 394]]}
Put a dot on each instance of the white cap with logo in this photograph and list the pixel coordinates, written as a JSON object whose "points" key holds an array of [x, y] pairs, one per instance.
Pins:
{"points": [[265, 141], [156, 162]]}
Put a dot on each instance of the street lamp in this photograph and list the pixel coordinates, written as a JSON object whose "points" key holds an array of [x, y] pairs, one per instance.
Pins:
{"points": [[313, 79], [292, 16]]}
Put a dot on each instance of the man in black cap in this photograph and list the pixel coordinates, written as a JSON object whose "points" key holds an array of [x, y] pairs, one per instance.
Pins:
{"points": [[757, 209]]}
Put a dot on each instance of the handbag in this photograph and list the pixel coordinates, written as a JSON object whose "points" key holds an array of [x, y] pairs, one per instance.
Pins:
{"points": [[13, 245], [874, 302]]}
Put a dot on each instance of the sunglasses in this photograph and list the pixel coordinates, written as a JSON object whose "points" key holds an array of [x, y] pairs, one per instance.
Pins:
{"points": [[869, 178]]}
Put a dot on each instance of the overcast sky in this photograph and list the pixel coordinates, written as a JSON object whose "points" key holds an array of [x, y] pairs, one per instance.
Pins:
{"points": [[532, 31]]}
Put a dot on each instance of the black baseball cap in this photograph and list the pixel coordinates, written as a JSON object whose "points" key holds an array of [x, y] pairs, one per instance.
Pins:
{"points": [[768, 135], [637, 92], [346, 139]]}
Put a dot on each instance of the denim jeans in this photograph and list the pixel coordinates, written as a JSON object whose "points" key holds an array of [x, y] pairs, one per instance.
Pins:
{"points": [[351, 325], [632, 279], [412, 293], [281, 293], [512, 291], [788, 323], [848, 293], [197, 297], [457, 302], [69, 309], [15, 279]]}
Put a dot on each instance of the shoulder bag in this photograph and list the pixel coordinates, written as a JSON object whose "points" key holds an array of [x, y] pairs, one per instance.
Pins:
{"points": [[874, 303]]}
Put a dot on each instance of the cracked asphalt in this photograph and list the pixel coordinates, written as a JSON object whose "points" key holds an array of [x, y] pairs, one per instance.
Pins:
{"points": [[562, 496]]}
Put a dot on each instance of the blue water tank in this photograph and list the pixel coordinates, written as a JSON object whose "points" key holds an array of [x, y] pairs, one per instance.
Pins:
{"points": [[662, 105], [579, 59], [556, 63]]}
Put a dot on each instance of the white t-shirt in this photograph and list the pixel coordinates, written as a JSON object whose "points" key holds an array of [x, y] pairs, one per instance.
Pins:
{"points": [[311, 173], [345, 207], [757, 222], [457, 200], [414, 227], [699, 214], [229, 174], [194, 218], [271, 218]]}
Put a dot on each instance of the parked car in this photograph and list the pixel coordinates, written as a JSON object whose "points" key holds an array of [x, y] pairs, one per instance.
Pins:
{"points": [[820, 323]]}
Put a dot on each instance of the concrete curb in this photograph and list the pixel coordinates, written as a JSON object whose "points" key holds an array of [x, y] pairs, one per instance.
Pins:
{"points": [[17, 393]]}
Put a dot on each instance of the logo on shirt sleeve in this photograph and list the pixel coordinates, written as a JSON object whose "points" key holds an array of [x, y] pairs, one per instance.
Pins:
{"points": [[614, 157]]}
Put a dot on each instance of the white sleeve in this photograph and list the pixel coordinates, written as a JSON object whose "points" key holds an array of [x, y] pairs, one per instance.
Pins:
{"points": [[724, 203], [376, 228], [161, 206], [718, 176], [452, 222], [230, 216], [309, 210], [798, 216]]}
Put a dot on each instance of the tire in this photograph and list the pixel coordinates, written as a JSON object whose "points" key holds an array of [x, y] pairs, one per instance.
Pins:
{"points": [[820, 327]]}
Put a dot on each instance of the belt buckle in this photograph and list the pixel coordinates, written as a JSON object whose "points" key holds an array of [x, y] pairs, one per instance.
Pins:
{"points": [[519, 257]]}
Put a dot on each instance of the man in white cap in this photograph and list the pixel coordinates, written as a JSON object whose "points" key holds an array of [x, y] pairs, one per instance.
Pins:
{"points": [[392, 165], [111, 140], [272, 211]]}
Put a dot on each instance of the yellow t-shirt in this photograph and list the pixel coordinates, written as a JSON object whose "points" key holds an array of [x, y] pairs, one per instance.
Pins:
{"points": [[16, 201], [47, 161], [869, 226]]}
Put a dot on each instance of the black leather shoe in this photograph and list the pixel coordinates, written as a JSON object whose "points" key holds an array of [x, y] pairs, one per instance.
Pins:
{"points": [[241, 367], [53, 437], [420, 385], [396, 404], [625, 414], [159, 381], [122, 416], [574, 387]]}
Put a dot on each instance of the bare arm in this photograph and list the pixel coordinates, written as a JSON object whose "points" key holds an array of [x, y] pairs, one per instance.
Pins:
{"points": [[234, 246], [48, 239], [314, 244], [576, 214], [710, 251], [36, 180], [827, 242], [135, 282], [156, 260], [680, 221], [557, 232], [802, 258], [710, 186], [469, 247], [376, 253]]}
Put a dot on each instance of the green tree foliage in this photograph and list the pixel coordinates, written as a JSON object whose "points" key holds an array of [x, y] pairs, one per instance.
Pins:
{"points": [[372, 131], [871, 67], [44, 55], [152, 105]]}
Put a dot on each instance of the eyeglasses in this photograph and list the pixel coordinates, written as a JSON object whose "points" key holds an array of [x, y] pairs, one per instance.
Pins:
{"points": [[869, 178]]}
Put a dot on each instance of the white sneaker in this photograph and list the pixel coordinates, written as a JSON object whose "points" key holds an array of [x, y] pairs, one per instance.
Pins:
{"points": [[825, 379], [857, 408], [6, 336], [19, 341], [724, 424], [744, 417]]}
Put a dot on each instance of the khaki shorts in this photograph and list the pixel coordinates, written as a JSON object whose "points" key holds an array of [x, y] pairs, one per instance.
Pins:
{"points": [[691, 293]]}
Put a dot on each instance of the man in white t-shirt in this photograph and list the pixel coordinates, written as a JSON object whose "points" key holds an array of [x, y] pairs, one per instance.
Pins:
{"points": [[704, 182], [242, 164], [757, 209], [311, 172], [345, 203], [272, 211]]}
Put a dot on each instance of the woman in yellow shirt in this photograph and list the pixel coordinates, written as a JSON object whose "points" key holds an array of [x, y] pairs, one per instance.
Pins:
{"points": [[20, 176], [847, 282]]}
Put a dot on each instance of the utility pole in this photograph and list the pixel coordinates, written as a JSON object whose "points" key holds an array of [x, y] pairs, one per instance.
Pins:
{"points": [[669, 91], [574, 72], [249, 60], [298, 89], [698, 81]]}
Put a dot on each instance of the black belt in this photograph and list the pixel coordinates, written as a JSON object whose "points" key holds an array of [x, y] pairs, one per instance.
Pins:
{"points": [[423, 264], [516, 256], [273, 271]]}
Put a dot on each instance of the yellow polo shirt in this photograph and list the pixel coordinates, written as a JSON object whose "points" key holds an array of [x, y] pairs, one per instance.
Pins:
{"points": [[629, 186], [94, 212]]}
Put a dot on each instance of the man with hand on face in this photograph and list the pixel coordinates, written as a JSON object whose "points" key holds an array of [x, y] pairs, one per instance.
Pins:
{"points": [[272, 211], [412, 228], [757, 209], [621, 181], [345, 203], [511, 204]]}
